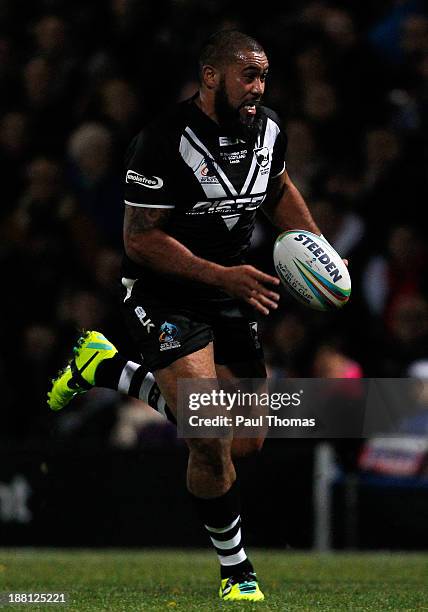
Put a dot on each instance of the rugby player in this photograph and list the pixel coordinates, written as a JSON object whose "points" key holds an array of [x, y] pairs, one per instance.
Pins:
{"points": [[194, 180]]}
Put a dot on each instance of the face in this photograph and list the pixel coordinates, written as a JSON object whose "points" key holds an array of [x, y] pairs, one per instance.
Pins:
{"points": [[239, 92]]}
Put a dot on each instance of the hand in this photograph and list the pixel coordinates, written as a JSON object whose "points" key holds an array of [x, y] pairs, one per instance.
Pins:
{"points": [[248, 283]]}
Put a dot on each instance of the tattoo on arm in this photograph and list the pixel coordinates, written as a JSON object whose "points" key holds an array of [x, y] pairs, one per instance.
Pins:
{"points": [[138, 219]]}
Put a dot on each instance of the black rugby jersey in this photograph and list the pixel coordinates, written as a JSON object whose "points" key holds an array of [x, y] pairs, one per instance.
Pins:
{"points": [[212, 183]]}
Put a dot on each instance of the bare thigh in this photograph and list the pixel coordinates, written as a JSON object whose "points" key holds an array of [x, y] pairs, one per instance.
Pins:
{"points": [[196, 365]]}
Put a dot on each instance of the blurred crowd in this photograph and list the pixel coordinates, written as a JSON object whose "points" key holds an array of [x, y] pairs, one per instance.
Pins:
{"points": [[78, 81]]}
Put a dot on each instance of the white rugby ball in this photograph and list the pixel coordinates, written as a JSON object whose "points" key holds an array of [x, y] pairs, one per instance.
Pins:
{"points": [[311, 270]]}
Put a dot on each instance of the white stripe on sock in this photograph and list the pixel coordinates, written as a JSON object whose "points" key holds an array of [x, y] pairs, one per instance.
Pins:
{"points": [[227, 544], [223, 529], [146, 387], [233, 559], [126, 376]]}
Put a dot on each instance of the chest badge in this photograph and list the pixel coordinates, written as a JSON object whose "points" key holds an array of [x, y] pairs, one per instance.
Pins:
{"points": [[262, 156]]}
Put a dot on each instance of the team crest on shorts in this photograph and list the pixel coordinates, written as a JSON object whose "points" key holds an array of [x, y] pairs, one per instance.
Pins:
{"points": [[167, 337]]}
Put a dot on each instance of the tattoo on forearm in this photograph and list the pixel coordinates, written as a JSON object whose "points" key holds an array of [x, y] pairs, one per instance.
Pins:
{"points": [[142, 219]]}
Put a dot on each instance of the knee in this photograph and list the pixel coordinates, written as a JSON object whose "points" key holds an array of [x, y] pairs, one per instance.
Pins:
{"points": [[214, 453], [244, 447]]}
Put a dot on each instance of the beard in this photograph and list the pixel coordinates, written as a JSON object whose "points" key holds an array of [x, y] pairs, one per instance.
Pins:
{"points": [[230, 118]]}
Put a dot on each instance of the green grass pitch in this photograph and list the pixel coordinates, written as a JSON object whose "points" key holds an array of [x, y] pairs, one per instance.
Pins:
{"points": [[188, 580]]}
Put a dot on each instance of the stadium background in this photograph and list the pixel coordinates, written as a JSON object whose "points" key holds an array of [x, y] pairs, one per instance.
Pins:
{"points": [[78, 80]]}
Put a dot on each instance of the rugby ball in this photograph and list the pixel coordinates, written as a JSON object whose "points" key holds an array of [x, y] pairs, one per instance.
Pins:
{"points": [[311, 270]]}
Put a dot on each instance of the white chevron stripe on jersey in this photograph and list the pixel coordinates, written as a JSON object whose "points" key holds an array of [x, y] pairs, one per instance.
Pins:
{"points": [[214, 163], [253, 168], [195, 154], [271, 133], [195, 160]]}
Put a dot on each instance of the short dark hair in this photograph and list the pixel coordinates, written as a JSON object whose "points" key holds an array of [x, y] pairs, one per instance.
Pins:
{"points": [[224, 46]]}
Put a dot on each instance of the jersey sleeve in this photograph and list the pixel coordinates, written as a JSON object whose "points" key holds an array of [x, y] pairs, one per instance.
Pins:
{"points": [[147, 183]]}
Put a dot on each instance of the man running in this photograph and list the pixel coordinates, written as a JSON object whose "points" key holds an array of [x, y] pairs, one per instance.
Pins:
{"points": [[195, 178]]}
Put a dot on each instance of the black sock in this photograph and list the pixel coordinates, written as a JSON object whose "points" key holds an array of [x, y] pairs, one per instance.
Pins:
{"points": [[109, 371], [132, 379], [222, 520]]}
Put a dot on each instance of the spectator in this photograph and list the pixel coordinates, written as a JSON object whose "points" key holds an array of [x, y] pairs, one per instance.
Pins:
{"points": [[94, 182]]}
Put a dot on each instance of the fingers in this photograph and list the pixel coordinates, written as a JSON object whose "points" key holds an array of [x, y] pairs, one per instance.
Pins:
{"points": [[257, 305], [265, 300], [261, 298], [248, 283], [257, 288], [271, 295], [261, 302], [262, 277]]}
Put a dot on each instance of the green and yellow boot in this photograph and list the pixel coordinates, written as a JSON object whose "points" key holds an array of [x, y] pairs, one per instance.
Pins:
{"points": [[79, 374]]}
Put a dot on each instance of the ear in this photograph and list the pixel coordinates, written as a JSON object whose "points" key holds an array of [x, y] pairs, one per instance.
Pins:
{"points": [[210, 77]]}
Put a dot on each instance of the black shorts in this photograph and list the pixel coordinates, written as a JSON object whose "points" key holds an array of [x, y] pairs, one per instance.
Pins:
{"points": [[165, 329]]}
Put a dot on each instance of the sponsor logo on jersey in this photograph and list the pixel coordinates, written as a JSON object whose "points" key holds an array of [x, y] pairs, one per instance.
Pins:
{"points": [[207, 167], [206, 172], [152, 182], [225, 141], [237, 205], [262, 156], [168, 335]]}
